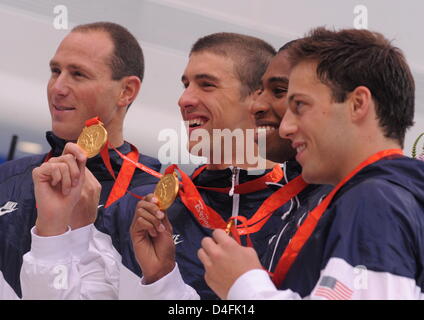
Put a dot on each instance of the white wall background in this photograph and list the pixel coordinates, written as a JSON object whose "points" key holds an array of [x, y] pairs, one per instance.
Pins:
{"points": [[166, 29]]}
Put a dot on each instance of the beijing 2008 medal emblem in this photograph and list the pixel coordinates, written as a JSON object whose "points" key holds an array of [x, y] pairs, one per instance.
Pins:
{"points": [[92, 139], [166, 190]]}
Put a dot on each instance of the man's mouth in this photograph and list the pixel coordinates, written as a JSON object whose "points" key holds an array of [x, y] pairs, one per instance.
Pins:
{"points": [[299, 147], [194, 122], [63, 108], [268, 129], [197, 122]]}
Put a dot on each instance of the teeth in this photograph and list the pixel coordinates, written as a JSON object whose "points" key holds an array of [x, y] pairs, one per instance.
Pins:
{"points": [[268, 129], [198, 122], [301, 148]]}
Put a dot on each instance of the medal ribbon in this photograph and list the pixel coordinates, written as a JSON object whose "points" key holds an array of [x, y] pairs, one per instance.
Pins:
{"points": [[120, 187], [209, 218], [274, 176], [304, 232]]}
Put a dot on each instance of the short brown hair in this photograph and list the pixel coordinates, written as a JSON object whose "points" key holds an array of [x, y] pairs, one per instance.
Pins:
{"points": [[127, 58], [350, 58], [250, 55]]}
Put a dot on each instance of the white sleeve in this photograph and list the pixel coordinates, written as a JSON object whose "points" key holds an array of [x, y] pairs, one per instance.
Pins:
{"points": [[83, 264], [338, 281], [80, 264], [257, 285], [170, 287]]}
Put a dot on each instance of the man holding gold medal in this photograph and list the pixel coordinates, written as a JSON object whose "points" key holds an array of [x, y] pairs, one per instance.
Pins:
{"points": [[154, 248], [92, 75], [348, 123]]}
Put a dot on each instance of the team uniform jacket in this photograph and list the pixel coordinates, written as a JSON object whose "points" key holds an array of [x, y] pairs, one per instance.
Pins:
{"points": [[188, 233], [122, 280], [18, 212], [369, 243]]}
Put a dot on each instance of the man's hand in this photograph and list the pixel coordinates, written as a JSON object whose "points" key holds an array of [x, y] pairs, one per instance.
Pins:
{"points": [[225, 261], [57, 188], [85, 211], [151, 234]]}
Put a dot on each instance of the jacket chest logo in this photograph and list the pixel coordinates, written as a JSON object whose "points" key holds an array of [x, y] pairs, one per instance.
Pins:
{"points": [[10, 206]]}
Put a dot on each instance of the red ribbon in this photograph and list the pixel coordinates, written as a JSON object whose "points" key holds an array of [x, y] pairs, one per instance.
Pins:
{"points": [[209, 218], [129, 164], [274, 176]]}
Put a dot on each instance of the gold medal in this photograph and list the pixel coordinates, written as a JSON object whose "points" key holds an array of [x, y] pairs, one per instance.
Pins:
{"points": [[229, 226], [166, 190], [92, 139]]}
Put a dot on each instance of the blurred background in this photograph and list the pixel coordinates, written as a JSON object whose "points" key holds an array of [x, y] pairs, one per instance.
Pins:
{"points": [[166, 30]]}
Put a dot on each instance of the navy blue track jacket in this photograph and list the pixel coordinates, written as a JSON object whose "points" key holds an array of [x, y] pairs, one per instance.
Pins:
{"points": [[374, 223], [17, 202]]}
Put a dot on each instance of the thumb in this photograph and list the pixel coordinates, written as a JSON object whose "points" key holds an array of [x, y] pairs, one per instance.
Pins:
{"points": [[77, 152]]}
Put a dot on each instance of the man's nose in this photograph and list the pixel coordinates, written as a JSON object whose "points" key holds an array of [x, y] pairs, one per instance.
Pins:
{"points": [[288, 125], [60, 85], [188, 98], [259, 105]]}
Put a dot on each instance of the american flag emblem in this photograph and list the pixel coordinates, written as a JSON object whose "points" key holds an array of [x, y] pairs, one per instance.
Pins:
{"points": [[332, 289]]}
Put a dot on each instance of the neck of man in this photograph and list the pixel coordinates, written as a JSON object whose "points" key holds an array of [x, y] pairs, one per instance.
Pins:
{"points": [[254, 163], [362, 152], [115, 134]]}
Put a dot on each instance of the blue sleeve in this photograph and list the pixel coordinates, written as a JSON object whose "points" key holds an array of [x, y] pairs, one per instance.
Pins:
{"points": [[378, 225]]}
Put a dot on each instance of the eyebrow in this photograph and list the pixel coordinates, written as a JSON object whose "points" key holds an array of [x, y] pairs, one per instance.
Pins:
{"points": [[72, 66], [294, 95], [201, 76], [284, 80]]}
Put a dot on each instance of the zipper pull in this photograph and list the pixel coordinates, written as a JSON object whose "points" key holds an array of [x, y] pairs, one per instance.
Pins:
{"points": [[233, 181]]}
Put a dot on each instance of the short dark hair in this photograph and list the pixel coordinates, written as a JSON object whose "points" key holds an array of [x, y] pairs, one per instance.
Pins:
{"points": [[350, 58], [127, 58], [287, 45], [250, 55]]}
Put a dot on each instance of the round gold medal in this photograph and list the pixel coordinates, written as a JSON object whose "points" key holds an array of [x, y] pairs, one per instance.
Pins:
{"points": [[92, 139], [166, 190]]}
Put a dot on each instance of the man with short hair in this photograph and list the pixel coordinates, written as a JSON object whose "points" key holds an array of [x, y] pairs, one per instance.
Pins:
{"points": [[151, 232], [351, 100], [221, 81], [267, 107], [96, 71]]}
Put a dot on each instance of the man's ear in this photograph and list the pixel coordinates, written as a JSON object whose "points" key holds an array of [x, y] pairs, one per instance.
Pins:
{"points": [[130, 87], [361, 103]]}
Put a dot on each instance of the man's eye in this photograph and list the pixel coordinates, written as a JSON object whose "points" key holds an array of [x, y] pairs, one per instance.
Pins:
{"points": [[207, 85], [55, 70], [77, 74], [298, 105], [280, 91]]}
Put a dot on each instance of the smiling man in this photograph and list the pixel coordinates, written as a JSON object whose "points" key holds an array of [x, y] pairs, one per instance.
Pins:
{"points": [[347, 122], [151, 231], [221, 81], [267, 107], [96, 71]]}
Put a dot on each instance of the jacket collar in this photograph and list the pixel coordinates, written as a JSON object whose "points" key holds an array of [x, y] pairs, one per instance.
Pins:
{"points": [[95, 164]]}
